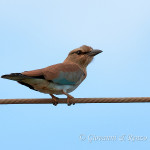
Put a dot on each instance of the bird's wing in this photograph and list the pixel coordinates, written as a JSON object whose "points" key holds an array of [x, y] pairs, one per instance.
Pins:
{"points": [[64, 74]]}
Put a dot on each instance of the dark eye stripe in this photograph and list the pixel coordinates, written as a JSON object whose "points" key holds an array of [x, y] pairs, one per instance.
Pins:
{"points": [[85, 52], [81, 53]]}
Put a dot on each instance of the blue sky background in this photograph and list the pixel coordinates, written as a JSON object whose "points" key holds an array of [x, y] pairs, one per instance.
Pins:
{"points": [[35, 34]]}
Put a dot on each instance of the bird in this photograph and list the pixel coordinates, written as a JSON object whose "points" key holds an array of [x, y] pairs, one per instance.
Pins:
{"points": [[61, 78]]}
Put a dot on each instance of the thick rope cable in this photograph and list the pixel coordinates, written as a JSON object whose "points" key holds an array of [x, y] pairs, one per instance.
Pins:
{"points": [[77, 100]]}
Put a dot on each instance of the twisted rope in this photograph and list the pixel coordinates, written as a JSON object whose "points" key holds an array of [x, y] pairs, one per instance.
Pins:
{"points": [[77, 100]]}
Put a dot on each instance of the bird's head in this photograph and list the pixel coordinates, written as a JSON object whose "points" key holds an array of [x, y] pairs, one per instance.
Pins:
{"points": [[82, 55]]}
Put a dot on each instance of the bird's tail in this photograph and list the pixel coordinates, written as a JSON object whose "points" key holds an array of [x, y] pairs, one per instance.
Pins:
{"points": [[15, 76]]}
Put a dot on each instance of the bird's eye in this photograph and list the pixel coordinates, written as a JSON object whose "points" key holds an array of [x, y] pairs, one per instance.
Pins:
{"points": [[79, 52]]}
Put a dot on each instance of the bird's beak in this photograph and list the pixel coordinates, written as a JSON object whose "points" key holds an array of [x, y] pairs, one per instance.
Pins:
{"points": [[94, 52]]}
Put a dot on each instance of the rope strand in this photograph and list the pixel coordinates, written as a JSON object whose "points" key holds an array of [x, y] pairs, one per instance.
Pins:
{"points": [[77, 100]]}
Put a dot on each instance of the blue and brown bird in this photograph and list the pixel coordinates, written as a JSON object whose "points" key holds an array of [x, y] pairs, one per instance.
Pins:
{"points": [[61, 78]]}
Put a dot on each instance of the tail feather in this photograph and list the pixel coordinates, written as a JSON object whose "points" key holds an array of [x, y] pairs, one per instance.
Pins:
{"points": [[15, 76]]}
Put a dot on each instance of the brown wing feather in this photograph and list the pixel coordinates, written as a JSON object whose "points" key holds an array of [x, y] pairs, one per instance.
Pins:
{"points": [[51, 72], [33, 73]]}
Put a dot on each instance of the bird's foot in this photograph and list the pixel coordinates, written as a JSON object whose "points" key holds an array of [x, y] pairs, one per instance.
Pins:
{"points": [[68, 100], [69, 97], [55, 100], [55, 103]]}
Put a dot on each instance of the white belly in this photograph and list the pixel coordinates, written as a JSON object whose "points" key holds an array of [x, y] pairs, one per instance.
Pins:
{"points": [[58, 88]]}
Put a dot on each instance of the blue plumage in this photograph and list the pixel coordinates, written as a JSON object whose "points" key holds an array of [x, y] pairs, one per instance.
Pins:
{"points": [[63, 81]]}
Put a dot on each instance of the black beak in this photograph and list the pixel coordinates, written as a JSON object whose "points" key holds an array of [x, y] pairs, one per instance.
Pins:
{"points": [[94, 52]]}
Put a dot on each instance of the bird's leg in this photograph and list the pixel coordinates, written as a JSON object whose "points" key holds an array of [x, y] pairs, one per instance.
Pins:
{"points": [[69, 97], [55, 99]]}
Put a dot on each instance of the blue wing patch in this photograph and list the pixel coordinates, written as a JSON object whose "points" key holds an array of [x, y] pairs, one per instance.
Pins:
{"points": [[63, 81], [68, 78]]}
